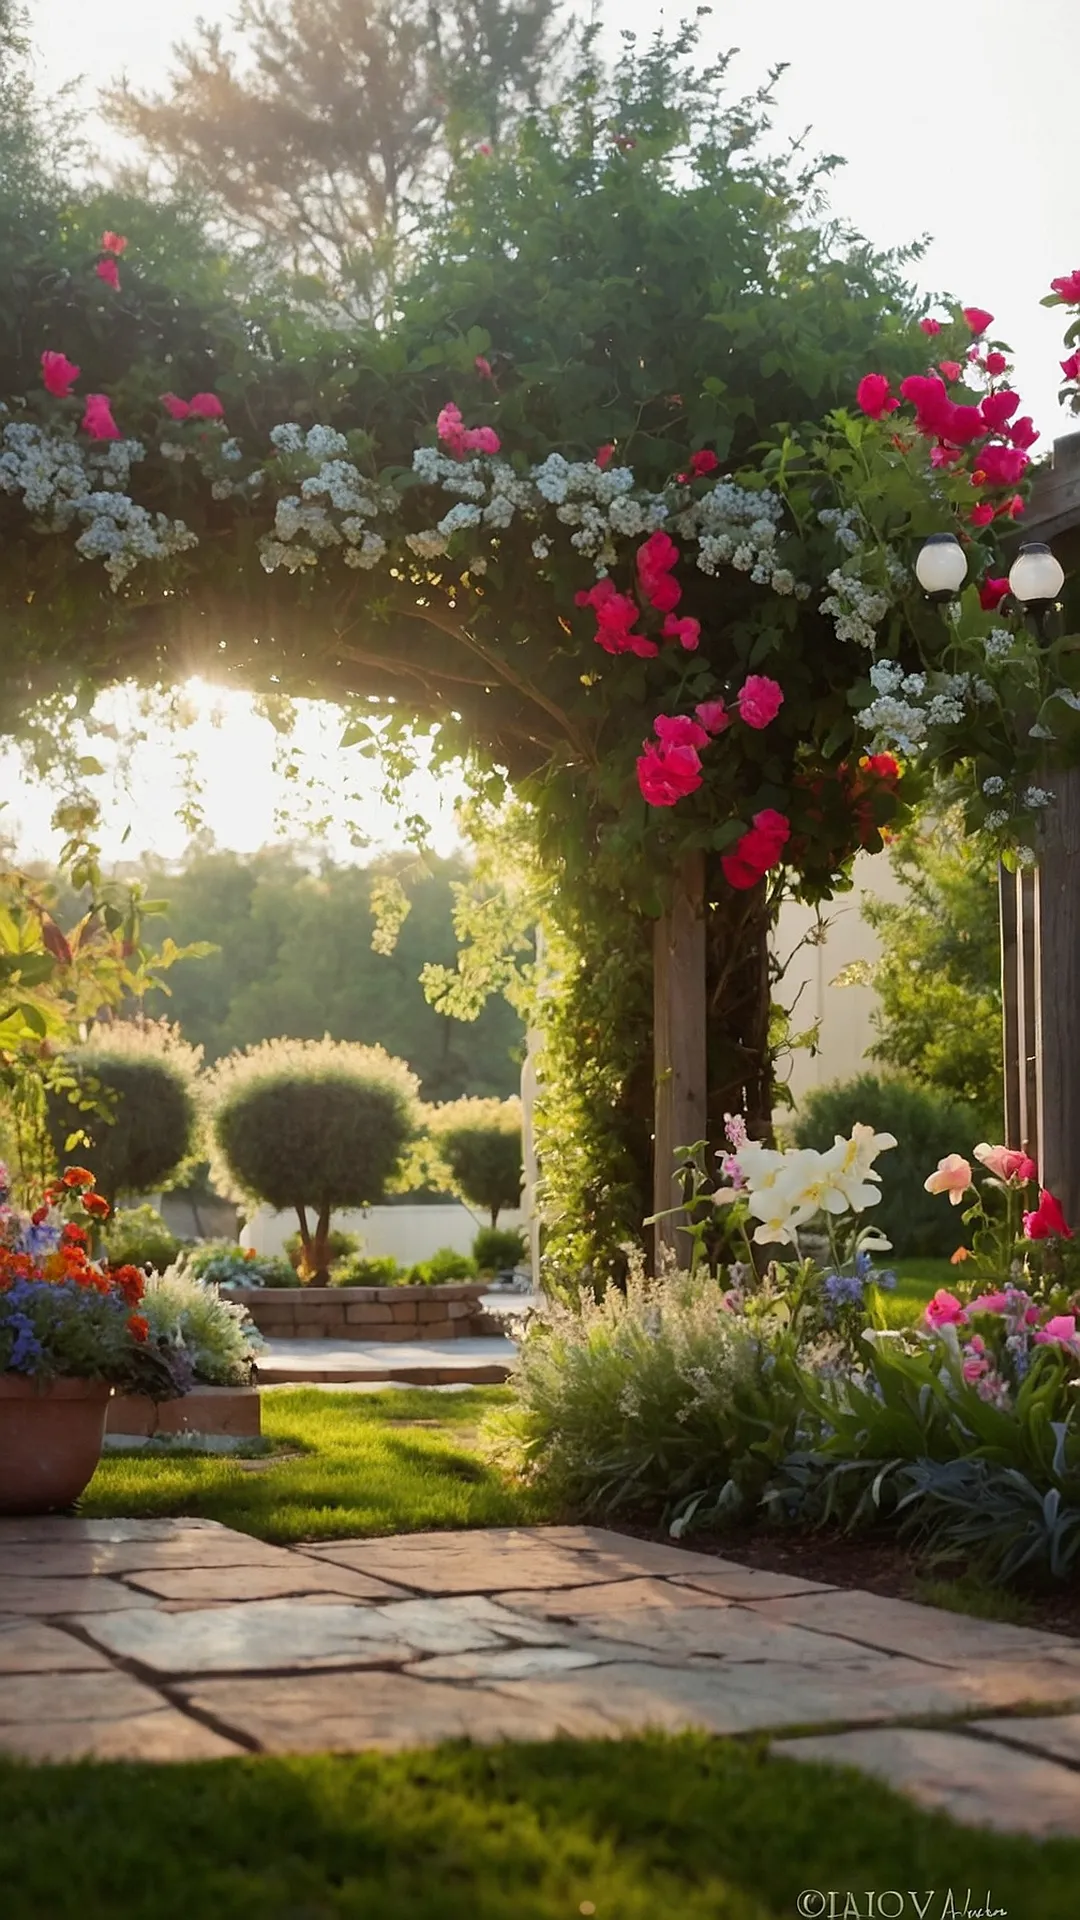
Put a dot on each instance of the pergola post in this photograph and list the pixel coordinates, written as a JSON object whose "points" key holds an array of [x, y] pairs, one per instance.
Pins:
{"points": [[1057, 994], [679, 1036]]}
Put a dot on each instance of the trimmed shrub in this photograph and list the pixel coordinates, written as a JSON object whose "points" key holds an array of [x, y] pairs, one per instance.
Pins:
{"points": [[497, 1248], [313, 1125], [130, 1109], [223, 1264], [365, 1270], [339, 1246], [479, 1143], [444, 1267], [927, 1126], [138, 1237]]}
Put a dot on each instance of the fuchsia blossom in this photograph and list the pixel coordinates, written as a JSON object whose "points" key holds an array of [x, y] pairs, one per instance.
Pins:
{"points": [[1071, 367], [944, 1310], [872, 394], [759, 850], [713, 715], [964, 424], [58, 374], [998, 408], [615, 616], [459, 438], [978, 319], [1022, 433], [981, 515], [678, 730], [1048, 1221], [108, 271], [686, 631], [1068, 286], [760, 700], [97, 420], [998, 466], [930, 326], [656, 557], [992, 593], [667, 774], [483, 367], [1005, 1163]]}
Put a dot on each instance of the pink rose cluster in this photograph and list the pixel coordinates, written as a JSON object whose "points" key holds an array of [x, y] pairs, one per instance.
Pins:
{"points": [[669, 767], [617, 613], [460, 439]]}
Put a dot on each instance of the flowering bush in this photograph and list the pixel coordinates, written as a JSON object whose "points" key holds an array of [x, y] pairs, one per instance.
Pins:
{"points": [[65, 1315], [198, 1329]]}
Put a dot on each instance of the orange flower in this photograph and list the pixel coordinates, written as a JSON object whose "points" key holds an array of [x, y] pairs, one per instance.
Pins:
{"points": [[77, 1177], [73, 1235], [138, 1327], [94, 1204], [961, 1254], [129, 1282]]}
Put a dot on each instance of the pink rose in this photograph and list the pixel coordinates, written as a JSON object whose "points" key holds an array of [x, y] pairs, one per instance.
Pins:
{"points": [[990, 1303], [1005, 1163], [713, 715], [113, 243], [1022, 433], [995, 363], [1069, 287], [97, 420], [981, 515], [950, 368], [678, 730], [687, 631], [930, 326], [705, 461], [872, 395], [108, 271], [602, 456], [758, 851], [667, 774], [999, 407], [1071, 367], [978, 319], [992, 593], [483, 367], [58, 374], [207, 406], [760, 700], [944, 1310], [176, 408]]}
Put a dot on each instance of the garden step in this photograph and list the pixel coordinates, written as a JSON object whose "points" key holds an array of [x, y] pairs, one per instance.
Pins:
{"points": [[471, 1362]]}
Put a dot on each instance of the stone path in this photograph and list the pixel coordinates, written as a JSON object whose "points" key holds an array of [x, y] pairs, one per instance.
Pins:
{"points": [[179, 1639], [483, 1361]]}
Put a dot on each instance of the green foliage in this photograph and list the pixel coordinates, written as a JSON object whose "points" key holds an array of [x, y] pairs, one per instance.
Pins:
{"points": [[222, 1264], [927, 1126], [339, 1246], [138, 1237], [442, 1269], [296, 955], [299, 1124], [132, 1100], [495, 1248], [938, 980], [479, 1141], [366, 1270], [218, 1336]]}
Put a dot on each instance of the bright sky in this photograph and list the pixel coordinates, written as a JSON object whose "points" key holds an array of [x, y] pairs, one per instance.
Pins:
{"points": [[955, 119]]}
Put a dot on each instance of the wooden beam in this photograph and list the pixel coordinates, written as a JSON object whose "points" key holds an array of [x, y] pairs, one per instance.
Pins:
{"points": [[1057, 966], [1027, 915], [1010, 1011], [679, 1030]]}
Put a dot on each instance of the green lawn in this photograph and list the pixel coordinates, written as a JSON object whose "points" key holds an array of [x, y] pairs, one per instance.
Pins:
{"points": [[397, 1462], [647, 1829], [916, 1281]]}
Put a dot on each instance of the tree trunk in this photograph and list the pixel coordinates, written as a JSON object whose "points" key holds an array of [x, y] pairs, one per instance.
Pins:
{"points": [[739, 973], [320, 1251], [679, 1039]]}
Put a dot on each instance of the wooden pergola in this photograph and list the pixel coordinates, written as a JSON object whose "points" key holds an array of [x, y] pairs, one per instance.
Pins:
{"points": [[1040, 909]]}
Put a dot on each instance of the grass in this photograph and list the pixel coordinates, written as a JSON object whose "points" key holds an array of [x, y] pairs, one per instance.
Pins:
{"points": [[645, 1829], [973, 1596], [916, 1281], [364, 1463]]}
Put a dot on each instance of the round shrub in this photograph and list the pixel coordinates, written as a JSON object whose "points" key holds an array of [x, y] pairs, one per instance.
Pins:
{"points": [[496, 1249], [366, 1270], [224, 1264], [927, 1127], [312, 1126], [444, 1267], [138, 1237], [479, 1142], [131, 1092]]}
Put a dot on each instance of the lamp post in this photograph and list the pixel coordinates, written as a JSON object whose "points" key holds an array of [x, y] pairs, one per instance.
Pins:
{"points": [[1036, 578], [941, 567]]}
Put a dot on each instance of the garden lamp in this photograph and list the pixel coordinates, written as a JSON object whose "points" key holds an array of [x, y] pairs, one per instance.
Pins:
{"points": [[941, 566], [1036, 578]]}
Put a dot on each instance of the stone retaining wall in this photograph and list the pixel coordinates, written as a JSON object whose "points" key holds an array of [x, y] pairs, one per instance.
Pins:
{"points": [[230, 1410], [365, 1313]]}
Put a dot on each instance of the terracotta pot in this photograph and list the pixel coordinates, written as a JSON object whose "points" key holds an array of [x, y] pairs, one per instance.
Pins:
{"points": [[50, 1440]]}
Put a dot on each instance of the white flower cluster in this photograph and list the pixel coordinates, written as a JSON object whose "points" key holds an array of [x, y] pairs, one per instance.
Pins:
{"points": [[998, 643], [786, 1190], [855, 609], [736, 526], [907, 705], [844, 523], [69, 485]]}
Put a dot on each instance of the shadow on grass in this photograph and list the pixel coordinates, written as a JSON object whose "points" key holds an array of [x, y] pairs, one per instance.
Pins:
{"points": [[646, 1829]]}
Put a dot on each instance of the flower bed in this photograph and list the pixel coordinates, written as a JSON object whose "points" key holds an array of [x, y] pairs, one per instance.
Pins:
{"points": [[366, 1313]]}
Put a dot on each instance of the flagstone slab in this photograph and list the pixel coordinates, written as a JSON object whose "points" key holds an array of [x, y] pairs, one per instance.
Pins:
{"points": [[611, 1598], [301, 1574], [183, 1547], [730, 1581], [976, 1781], [379, 1711], [58, 1526], [88, 1595], [500, 1558], [1057, 1734], [109, 1716], [748, 1697], [678, 1621], [902, 1626], [510, 1663], [29, 1646]]}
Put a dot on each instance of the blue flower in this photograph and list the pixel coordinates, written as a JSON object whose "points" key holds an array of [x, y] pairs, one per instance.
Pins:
{"points": [[863, 1266], [27, 1349], [844, 1289]]}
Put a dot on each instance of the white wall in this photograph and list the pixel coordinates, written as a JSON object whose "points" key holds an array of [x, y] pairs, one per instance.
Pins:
{"points": [[809, 986], [409, 1234]]}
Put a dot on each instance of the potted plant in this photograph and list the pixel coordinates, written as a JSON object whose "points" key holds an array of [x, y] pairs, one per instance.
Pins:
{"points": [[70, 1331]]}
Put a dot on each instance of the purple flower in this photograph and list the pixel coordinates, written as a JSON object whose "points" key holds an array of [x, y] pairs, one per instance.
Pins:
{"points": [[844, 1289], [26, 1350]]}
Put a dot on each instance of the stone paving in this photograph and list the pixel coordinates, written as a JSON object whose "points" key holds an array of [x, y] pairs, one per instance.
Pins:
{"points": [[481, 1361], [179, 1639]]}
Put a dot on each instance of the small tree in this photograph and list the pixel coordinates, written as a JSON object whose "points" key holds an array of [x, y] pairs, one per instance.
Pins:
{"points": [[128, 1105], [479, 1143], [310, 1125]]}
